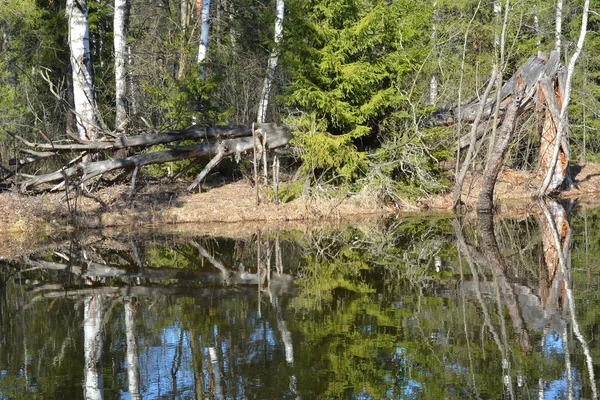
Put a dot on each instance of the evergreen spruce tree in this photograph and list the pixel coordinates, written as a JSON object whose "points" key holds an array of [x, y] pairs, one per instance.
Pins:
{"points": [[353, 64]]}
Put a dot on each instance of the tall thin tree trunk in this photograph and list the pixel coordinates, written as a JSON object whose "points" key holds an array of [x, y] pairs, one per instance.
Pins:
{"points": [[83, 92], [499, 49], [538, 36], [272, 63], [204, 28], [6, 49], [558, 26], [433, 84], [120, 44]]}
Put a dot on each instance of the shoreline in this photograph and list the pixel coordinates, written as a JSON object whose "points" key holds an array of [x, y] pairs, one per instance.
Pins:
{"points": [[231, 207]]}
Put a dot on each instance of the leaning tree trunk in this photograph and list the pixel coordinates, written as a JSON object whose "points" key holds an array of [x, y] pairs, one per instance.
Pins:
{"points": [[120, 43], [81, 64], [505, 136], [272, 64]]}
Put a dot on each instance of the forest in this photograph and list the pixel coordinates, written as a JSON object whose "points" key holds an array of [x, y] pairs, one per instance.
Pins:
{"points": [[398, 98]]}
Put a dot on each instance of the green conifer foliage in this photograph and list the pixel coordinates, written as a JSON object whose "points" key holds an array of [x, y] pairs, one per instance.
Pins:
{"points": [[352, 64]]}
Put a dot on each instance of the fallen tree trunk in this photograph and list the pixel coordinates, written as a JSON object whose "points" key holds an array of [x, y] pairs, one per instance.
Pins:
{"points": [[278, 136], [136, 141], [151, 139], [531, 72]]}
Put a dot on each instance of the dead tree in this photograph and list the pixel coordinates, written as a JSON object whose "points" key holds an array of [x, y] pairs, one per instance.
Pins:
{"points": [[217, 143], [543, 86]]}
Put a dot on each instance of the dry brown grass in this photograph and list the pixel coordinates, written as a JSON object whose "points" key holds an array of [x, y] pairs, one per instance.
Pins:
{"points": [[232, 209]]}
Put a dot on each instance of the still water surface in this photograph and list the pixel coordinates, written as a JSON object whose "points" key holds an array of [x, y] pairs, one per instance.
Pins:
{"points": [[407, 309]]}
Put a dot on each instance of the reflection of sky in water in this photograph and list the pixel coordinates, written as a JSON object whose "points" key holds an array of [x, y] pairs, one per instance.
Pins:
{"points": [[559, 388], [167, 369], [411, 390], [553, 344]]}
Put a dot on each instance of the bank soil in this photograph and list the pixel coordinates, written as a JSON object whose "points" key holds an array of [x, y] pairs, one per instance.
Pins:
{"points": [[157, 204]]}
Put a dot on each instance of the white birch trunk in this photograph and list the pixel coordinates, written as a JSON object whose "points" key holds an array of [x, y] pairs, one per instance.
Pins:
{"points": [[204, 27], [272, 64], [121, 55], [433, 84], [558, 26], [538, 36], [83, 93], [92, 345]]}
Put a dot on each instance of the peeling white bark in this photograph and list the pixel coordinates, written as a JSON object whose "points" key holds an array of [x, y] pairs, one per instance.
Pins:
{"points": [[272, 63], [83, 93]]}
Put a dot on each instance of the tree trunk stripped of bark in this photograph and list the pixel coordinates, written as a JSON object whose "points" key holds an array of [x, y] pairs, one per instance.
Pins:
{"points": [[120, 46], [272, 63], [552, 93], [505, 136], [81, 63], [239, 140], [562, 123], [204, 28], [531, 72]]}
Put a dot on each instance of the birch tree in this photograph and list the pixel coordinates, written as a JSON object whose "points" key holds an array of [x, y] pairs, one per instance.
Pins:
{"points": [[558, 26], [272, 63], [204, 27], [81, 64], [121, 55]]}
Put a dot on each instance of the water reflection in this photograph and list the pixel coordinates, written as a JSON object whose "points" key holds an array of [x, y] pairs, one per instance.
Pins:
{"points": [[408, 309]]}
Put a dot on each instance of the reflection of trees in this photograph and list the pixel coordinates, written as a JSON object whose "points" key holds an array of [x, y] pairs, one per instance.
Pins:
{"points": [[383, 313], [553, 310], [560, 232], [92, 347], [506, 292], [133, 363]]}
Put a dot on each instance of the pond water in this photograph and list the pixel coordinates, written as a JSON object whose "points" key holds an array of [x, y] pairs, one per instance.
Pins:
{"points": [[406, 309]]}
